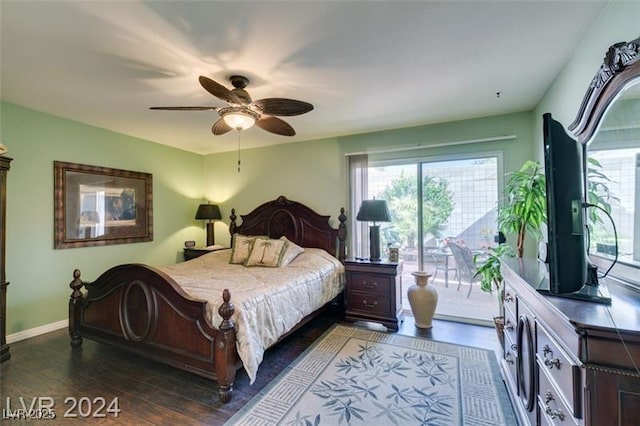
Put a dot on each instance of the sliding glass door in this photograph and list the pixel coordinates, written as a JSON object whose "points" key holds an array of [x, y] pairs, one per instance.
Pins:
{"points": [[435, 203]]}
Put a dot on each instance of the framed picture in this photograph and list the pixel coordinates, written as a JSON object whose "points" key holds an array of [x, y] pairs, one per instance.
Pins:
{"points": [[95, 206]]}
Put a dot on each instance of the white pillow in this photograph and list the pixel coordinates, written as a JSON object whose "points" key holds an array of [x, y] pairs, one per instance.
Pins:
{"points": [[266, 252], [242, 245], [291, 251]]}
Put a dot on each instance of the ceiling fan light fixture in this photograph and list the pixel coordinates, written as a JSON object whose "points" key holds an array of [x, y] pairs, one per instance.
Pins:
{"points": [[239, 118]]}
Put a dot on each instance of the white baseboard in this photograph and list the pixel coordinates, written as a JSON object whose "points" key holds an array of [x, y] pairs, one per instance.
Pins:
{"points": [[33, 332]]}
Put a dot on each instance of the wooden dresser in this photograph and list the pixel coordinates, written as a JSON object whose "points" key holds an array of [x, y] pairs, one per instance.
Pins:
{"points": [[565, 361], [4, 348], [373, 292]]}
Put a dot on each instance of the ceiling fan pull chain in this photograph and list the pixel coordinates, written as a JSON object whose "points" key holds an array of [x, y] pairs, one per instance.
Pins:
{"points": [[238, 151]]}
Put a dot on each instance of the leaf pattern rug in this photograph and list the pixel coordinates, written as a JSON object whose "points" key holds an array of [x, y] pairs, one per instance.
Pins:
{"points": [[357, 376]]}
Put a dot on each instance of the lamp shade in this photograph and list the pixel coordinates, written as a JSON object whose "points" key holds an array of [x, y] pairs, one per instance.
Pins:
{"points": [[373, 211], [208, 212]]}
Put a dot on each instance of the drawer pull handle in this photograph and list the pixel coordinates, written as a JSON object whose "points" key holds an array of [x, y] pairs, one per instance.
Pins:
{"points": [[369, 305], [509, 327], [548, 397], [509, 359], [508, 297], [551, 363], [367, 284]]}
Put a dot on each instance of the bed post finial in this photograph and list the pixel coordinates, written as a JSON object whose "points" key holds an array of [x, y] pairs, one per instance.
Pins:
{"points": [[342, 235], [74, 309], [232, 224], [226, 310], [225, 349]]}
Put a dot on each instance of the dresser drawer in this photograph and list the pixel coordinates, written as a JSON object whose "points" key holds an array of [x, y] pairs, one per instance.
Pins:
{"points": [[554, 410], [510, 359], [510, 325], [368, 303], [370, 283], [509, 300], [560, 370]]}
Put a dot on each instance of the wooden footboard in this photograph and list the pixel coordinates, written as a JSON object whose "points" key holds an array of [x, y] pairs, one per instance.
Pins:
{"points": [[143, 310]]}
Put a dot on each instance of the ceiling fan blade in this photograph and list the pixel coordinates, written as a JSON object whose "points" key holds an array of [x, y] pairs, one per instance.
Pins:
{"points": [[220, 127], [282, 106], [275, 125], [219, 91], [187, 108]]}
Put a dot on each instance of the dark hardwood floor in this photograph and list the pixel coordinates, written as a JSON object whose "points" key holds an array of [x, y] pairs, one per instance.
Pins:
{"points": [[149, 393]]}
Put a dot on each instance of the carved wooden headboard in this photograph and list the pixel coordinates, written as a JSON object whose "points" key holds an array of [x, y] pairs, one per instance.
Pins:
{"points": [[295, 221]]}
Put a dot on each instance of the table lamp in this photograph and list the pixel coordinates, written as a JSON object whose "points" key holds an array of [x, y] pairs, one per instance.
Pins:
{"points": [[374, 211], [209, 212]]}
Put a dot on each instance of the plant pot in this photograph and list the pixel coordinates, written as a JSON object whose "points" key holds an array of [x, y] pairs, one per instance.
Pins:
{"points": [[423, 299], [499, 324]]}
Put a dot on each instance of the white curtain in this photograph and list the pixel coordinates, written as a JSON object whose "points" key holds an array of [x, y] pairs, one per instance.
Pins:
{"points": [[358, 184]]}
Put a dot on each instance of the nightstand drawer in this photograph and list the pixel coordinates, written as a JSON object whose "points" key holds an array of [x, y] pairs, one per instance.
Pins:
{"points": [[369, 283], [368, 303]]}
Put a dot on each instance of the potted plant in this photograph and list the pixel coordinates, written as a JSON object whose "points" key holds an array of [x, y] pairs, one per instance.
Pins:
{"points": [[522, 211], [523, 208], [488, 270]]}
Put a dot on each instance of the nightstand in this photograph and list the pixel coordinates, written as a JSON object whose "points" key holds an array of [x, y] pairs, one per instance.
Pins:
{"points": [[193, 252], [373, 292]]}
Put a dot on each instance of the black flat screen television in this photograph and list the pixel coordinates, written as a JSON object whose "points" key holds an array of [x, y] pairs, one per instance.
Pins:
{"points": [[569, 267]]}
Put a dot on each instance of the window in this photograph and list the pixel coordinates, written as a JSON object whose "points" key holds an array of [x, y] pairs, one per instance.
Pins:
{"points": [[620, 171], [457, 199]]}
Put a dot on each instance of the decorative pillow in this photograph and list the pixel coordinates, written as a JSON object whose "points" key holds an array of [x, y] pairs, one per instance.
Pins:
{"points": [[291, 251], [266, 252], [242, 245]]}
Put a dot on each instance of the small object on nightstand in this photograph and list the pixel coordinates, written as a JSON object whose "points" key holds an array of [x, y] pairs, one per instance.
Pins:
{"points": [[193, 252], [189, 244], [394, 254], [373, 292]]}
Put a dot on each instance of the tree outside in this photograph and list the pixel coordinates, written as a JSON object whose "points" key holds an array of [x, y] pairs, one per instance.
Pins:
{"points": [[401, 195]]}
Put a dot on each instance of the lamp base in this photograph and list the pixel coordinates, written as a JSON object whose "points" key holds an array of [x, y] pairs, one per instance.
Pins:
{"points": [[210, 234], [374, 243]]}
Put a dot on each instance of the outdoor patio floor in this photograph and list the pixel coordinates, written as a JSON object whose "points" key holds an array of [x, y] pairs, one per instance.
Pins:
{"points": [[479, 308]]}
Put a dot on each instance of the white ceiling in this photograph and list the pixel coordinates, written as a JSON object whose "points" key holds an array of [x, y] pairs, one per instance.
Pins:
{"points": [[364, 65]]}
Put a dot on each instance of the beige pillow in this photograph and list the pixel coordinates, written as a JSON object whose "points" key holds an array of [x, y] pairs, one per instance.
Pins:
{"points": [[291, 251], [266, 252], [242, 245]]}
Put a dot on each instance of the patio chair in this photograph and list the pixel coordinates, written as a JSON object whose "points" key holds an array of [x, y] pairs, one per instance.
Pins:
{"points": [[464, 263]]}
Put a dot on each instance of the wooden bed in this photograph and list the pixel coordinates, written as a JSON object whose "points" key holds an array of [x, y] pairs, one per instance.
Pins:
{"points": [[143, 310]]}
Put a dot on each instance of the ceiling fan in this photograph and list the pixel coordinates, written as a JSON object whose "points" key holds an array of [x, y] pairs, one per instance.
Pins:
{"points": [[243, 112]]}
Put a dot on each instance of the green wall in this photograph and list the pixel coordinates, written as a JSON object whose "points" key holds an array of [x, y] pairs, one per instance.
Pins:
{"points": [[315, 172], [39, 275], [619, 21]]}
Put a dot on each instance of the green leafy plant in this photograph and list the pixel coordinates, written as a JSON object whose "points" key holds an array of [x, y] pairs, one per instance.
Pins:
{"points": [[488, 267], [598, 192], [400, 194], [523, 208]]}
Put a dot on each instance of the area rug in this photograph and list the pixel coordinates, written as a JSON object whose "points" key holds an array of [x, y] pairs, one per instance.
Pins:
{"points": [[357, 376]]}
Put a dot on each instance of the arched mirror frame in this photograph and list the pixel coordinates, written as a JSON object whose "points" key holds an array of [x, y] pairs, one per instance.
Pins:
{"points": [[621, 67]]}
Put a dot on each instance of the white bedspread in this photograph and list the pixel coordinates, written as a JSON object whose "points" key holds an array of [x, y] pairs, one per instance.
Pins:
{"points": [[269, 301]]}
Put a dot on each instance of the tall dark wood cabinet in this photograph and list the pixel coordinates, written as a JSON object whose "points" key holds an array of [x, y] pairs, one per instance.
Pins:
{"points": [[4, 348]]}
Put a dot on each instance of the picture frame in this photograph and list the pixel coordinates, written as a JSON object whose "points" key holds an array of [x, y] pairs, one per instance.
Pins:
{"points": [[97, 206]]}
